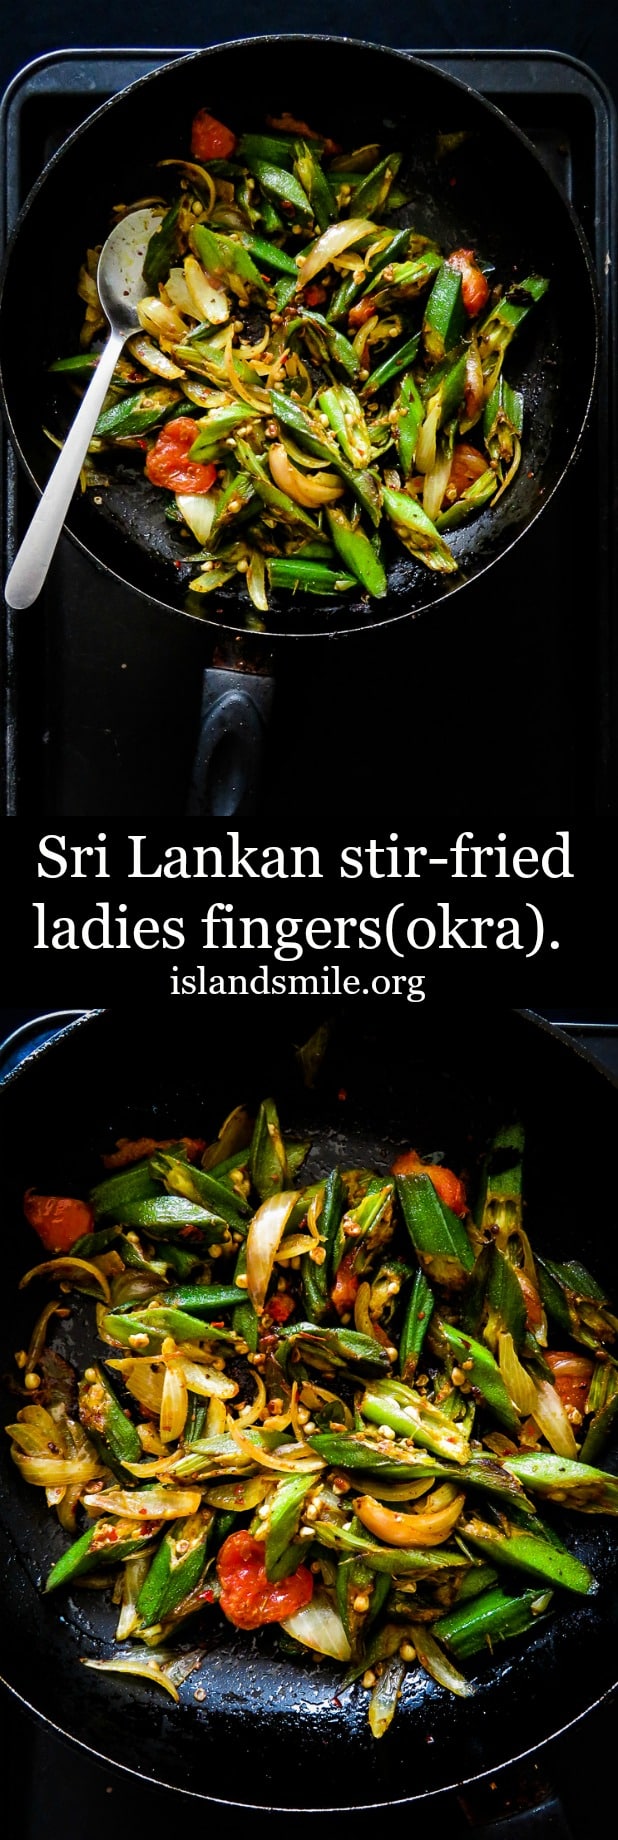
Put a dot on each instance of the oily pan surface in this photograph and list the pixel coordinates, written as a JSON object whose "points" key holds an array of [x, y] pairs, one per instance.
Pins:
{"points": [[492, 194], [303, 1744]]}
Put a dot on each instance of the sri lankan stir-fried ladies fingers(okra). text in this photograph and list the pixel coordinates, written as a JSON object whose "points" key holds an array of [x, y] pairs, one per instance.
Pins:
{"points": [[315, 382], [356, 1411]]}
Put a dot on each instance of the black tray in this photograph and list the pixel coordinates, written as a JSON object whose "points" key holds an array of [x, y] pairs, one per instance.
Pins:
{"points": [[505, 700]]}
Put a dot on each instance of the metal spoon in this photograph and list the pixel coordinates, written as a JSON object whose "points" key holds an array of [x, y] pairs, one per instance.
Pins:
{"points": [[120, 283]]}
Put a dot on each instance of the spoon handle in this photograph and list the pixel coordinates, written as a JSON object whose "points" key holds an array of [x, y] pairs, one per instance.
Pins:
{"points": [[34, 556]]}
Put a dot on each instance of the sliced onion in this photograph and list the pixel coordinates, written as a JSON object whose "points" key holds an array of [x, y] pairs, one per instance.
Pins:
{"points": [[550, 1416], [158, 1465], [68, 1270], [143, 1379], [147, 1666], [238, 1496], [252, 1412], [362, 1320], [134, 1573], [207, 301], [511, 472], [256, 581], [426, 1528], [207, 1381], [263, 1239], [149, 354], [425, 455], [255, 396], [318, 1626], [54, 1472], [436, 483], [519, 1385], [270, 1459], [294, 1246], [337, 238], [149, 1504], [197, 509], [433, 1659], [216, 1418], [161, 321], [319, 489], [383, 1702], [174, 1403]]}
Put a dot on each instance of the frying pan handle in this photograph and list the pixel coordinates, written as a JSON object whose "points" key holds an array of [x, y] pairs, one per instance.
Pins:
{"points": [[520, 1804], [227, 769]]}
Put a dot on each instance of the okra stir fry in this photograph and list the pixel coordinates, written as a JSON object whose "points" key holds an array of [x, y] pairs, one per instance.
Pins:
{"points": [[314, 378], [348, 1408]]}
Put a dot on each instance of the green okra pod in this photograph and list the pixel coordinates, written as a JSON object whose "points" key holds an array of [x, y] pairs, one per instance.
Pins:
{"points": [[372, 193], [201, 1299], [418, 535], [201, 1188], [409, 1415], [397, 1561], [415, 1326], [398, 361], [137, 413], [108, 1542], [438, 1235], [469, 503], [311, 435], [482, 1373], [332, 1348], [312, 577], [270, 255], [282, 187], [176, 1568], [147, 1331], [315, 185], [410, 412], [347, 421], [357, 552], [566, 1480], [493, 1617], [317, 1277], [528, 1552], [110, 1196], [445, 314], [576, 1302], [112, 1432], [282, 1551]]}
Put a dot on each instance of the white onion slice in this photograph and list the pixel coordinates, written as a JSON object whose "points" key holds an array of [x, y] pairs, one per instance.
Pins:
{"points": [[319, 1627], [197, 509], [550, 1416], [334, 240], [263, 1239]]}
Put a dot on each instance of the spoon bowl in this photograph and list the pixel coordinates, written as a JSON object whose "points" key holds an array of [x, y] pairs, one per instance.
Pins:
{"points": [[120, 284]]}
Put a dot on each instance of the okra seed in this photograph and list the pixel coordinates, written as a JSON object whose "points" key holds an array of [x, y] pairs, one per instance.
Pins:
{"points": [[457, 1376], [215, 1251], [200, 1694], [241, 1281], [467, 1365], [263, 1512], [407, 1652], [386, 1431], [21, 1358], [361, 1604], [369, 1678], [312, 1511], [138, 1341], [307, 1533], [32, 1382]]}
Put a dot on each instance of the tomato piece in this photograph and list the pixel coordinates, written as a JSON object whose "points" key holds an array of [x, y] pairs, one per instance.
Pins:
{"points": [[133, 1149], [279, 1308], [210, 139], [346, 1283], [360, 313], [168, 464], [58, 1219], [248, 1598], [467, 465], [314, 294], [447, 1185], [474, 284], [534, 1307], [572, 1375]]}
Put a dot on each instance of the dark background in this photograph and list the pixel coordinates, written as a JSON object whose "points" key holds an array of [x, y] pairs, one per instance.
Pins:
{"points": [[586, 29], [59, 1790]]}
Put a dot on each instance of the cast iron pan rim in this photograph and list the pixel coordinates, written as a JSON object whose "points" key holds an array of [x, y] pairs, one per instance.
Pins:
{"points": [[457, 83], [553, 1031], [401, 1801]]}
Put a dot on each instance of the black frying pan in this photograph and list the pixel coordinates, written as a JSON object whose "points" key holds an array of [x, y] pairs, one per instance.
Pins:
{"points": [[443, 1084], [493, 195]]}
